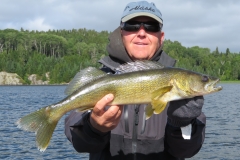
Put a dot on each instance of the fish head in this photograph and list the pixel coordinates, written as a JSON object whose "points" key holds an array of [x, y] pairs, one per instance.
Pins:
{"points": [[190, 84], [200, 84]]}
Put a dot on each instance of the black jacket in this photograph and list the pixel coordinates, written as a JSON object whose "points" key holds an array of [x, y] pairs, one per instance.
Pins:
{"points": [[133, 138]]}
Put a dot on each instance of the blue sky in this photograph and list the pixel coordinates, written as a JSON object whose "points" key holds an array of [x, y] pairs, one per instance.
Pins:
{"points": [[203, 23]]}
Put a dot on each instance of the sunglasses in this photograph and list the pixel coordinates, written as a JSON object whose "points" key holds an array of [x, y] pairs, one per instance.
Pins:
{"points": [[134, 26]]}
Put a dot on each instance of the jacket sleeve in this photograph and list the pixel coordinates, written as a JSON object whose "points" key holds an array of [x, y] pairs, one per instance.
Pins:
{"points": [[181, 148], [82, 135]]}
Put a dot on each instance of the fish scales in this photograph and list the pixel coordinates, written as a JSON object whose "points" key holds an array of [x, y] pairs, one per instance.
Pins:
{"points": [[129, 88]]}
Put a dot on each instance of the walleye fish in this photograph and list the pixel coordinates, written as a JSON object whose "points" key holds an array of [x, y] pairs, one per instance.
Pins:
{"points": [[138, 82]]}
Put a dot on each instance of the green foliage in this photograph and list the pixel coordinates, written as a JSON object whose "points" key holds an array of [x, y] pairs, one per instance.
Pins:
{"points": [[63, 53], [26, 80], [225, 66]]}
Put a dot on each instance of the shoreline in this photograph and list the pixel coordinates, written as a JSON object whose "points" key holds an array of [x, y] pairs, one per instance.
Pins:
{"points": [[65, 84], [229, 81]]}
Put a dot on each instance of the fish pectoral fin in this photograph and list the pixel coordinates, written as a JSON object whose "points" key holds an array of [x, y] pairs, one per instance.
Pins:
{"points": [[160, 92], [158, 106], [149, 111]]}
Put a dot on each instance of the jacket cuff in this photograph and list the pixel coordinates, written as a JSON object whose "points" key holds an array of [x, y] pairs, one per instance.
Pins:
{"points": [[179, 123], [94, 129], [86, 126]]}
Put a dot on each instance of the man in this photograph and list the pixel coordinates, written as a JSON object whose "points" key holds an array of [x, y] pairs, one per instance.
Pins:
{"points": [[121, 132]]}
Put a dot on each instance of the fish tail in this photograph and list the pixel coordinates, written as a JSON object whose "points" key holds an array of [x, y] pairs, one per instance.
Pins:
{"points": [[40, 123]]}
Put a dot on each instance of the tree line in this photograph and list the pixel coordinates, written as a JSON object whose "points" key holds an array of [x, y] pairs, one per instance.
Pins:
{"points": [[63, 53]]}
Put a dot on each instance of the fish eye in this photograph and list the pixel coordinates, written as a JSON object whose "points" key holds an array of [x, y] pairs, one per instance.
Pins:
{"points": [[205, 79]]}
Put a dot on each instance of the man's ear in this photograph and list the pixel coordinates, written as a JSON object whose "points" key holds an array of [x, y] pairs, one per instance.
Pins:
{"points": [[161, 38]]}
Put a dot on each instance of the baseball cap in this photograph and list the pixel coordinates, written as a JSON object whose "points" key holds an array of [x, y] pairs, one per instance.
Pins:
{"points": [[141, 8]]}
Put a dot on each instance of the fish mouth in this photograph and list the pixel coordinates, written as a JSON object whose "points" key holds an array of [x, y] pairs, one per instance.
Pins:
{"points": [[211, 86]]}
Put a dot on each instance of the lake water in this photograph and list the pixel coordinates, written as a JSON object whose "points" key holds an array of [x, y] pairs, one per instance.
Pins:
{"points": [[222, 131]]}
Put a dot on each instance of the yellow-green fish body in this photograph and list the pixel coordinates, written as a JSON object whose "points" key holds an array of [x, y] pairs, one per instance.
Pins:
{"points": [[154, 85]]}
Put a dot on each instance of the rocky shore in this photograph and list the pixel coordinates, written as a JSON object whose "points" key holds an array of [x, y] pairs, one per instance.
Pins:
{"points": [[14, 79]]}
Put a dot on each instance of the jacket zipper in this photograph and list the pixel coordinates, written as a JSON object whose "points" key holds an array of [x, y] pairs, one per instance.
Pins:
{"points": [[135, 131]]}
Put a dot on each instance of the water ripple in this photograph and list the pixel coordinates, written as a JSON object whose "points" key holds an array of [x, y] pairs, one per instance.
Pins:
{"points": [[222, 140], [17, 101]]}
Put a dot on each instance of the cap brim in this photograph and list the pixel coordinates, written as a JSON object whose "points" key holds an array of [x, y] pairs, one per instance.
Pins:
{"points": [[133, 15]]}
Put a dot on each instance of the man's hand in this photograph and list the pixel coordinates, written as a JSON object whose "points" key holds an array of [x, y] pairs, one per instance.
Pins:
{"points": [[104, 119], [181, 113]]}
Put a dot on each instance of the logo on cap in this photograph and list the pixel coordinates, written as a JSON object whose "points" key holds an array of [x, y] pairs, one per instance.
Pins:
{"points": [[140, 8]]}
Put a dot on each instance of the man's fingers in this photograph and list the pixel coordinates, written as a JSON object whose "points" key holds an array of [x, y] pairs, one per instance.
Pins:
{"points": [[99, 108], [104, 119], [114, 111]]}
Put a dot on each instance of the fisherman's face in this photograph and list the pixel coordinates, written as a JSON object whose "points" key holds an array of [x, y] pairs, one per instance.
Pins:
{"points": [[141, 44]]}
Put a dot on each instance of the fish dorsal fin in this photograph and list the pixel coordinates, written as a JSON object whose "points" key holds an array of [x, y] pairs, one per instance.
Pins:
{"points": [[83, 77], [138, 66]]}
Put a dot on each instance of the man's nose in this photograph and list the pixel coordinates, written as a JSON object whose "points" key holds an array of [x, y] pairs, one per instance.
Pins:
{"points": [[141, 31]]}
